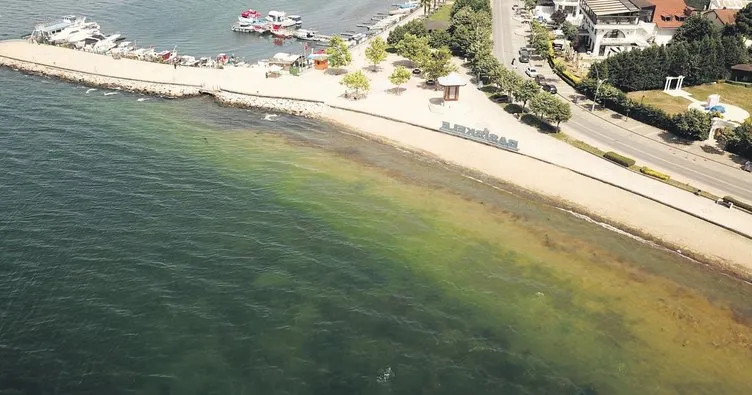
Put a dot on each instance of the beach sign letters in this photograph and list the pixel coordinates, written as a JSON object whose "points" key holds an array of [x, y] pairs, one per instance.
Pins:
{"points": [[481, 136]]}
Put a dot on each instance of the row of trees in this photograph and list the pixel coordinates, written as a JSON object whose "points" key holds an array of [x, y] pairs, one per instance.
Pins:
{"points": [[700, 51]]}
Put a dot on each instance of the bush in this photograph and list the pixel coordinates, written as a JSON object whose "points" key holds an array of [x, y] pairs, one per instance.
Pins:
{"points": [[620, 159], [653, 173], [737, 202], [513, 108]]}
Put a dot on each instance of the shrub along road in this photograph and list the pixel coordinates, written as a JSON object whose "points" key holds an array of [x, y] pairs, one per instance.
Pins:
{"points": [[718, 178]]}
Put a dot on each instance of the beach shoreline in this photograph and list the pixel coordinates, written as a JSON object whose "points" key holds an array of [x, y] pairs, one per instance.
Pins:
{"points": [[718, 255], [546, 167]]}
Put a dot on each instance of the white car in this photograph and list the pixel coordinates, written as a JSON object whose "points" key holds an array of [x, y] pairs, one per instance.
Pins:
{"points": [[531, 72]]}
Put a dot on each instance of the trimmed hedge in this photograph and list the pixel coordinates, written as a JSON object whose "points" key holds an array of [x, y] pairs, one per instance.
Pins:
{"points": [[620, 159], [648, 171], [739, 203]]}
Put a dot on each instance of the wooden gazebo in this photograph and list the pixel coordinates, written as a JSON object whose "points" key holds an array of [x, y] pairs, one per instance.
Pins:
{"points": [[452, 84]]}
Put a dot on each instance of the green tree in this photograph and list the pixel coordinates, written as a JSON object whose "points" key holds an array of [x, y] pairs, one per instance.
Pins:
{"points": [[416, 49], [469, 27], [741, 140], [695, 28], [376, 51], [540, 104], [485, 64], [339, 53], [530, 4], [558, 17], [414, 27], [439, 38], [526, 91], [474, 5], [743, 21], [560, 112], [356, 80], [438, 64], [508, 81], [569, 30], [400, 76], [692, 124]]}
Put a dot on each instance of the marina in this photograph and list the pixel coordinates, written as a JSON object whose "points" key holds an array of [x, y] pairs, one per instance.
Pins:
{"points": [[279, 25]]}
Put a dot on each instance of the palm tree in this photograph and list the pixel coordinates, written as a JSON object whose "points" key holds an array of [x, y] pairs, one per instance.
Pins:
{"points": [[426, 4]]}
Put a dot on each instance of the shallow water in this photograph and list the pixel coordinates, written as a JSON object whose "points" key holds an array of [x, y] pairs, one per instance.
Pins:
{"points": [[173, 246]]}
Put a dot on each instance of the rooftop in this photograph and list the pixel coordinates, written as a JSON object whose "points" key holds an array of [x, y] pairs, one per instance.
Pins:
{"points": [[742, 67], [453, 79], [725, 16], [670, 13], [610, 7]]}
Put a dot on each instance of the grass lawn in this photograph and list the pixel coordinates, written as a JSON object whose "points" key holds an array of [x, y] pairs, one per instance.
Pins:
{"points": [[442, 14], [733, 94], [670, 104]]}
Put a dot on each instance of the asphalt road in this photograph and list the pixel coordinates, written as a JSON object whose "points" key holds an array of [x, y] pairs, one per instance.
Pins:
{"points": [[680, 165]]}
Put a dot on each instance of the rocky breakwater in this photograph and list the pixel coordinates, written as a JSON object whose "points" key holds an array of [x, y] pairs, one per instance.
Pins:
{"points": [[97, 80], [303, 108]]}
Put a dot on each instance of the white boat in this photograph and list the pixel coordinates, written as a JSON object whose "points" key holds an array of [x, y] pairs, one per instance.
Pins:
{"points": [[399, 11], [307, 35], [409, 4], [281, 18], [75, 33], [108, 43], [82, 34], [62, 35], [43, 31], [249, 16]]}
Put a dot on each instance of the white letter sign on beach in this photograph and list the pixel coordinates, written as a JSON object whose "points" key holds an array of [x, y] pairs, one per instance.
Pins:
{"points": [[481, 136]]}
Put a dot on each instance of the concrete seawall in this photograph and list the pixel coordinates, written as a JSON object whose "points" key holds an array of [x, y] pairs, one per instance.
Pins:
{"points": [[234, 86]]}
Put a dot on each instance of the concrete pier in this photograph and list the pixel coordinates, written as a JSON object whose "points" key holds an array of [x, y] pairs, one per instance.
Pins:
{"points": [[239, 86]]}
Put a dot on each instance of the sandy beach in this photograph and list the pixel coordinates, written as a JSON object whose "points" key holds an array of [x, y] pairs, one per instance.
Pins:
{"points": [[417, 114]]}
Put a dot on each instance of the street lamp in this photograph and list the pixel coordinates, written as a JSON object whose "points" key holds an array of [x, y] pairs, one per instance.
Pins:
{"points": [[597, 88]]}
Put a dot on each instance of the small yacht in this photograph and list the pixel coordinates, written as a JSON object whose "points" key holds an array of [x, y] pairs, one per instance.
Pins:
{"points": [[75, 33], [44, 31], [281, 18], [83, 33], [307, 35], [107, 43], [249, 17]]}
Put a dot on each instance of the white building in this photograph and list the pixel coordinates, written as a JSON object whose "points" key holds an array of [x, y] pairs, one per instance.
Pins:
{"points": [[613, 26], [545, 8], [728, 4]]}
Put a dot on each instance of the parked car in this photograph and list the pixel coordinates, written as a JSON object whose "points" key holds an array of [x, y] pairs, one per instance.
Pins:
{"points": [[549, 88], [531, 72], [540, 79], [417, 71], [524, 51], [524, 58]]}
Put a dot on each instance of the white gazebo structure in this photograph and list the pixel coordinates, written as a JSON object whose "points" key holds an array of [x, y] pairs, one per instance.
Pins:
{"points": [[452, 84], [679, 82]]}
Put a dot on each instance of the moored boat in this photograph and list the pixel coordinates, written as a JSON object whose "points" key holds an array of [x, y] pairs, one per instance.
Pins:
{"points": [[281, 18], [249, 16]]}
